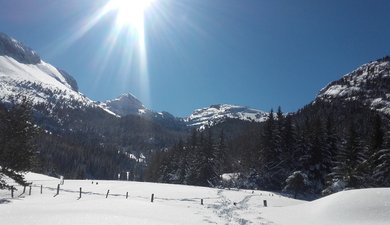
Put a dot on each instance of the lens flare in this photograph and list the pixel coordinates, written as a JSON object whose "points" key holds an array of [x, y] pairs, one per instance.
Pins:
{"points": [[130, 13], [127, 33], [130, 17]]}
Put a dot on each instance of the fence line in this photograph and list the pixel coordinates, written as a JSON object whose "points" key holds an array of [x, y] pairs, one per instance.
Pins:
{"points": [[125, 195]]}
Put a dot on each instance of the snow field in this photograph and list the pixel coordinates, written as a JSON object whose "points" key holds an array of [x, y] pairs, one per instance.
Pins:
{"points": [[173, 204], [354, 207], [179, 204]]}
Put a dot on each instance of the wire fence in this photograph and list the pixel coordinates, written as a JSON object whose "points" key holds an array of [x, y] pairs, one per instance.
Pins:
{"points": [[54, 189]]}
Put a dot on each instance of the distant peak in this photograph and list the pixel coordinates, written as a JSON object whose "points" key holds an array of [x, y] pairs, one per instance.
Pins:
{"points": [[125, 104], [219, 112], [127, 95], [17, 50]]}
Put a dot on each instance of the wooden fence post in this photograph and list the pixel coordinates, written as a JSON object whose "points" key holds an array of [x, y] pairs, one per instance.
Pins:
{"points": [[80, 192], [29, 191], [152, 198], [127, 195], [201, 201], [108, 192], [12, 191], [58, 190], [24, 191], [41, 189], [265, 203]]}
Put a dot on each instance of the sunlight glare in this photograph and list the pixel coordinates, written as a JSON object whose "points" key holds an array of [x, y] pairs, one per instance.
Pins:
{"points": [[128, 32], [130, 13]]}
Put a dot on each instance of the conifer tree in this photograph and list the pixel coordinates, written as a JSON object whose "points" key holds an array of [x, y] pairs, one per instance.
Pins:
{"points": [[17, 152], [271, 172], [220, 154], [349, 162], [381, 172]]}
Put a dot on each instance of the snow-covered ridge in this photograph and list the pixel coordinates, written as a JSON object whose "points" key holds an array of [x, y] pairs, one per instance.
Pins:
{"points": [[217, 113], [15, 49], [23, 73], [370, 83]]}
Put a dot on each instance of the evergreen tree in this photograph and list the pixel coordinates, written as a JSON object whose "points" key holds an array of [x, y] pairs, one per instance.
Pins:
{"points": [[349, 162], [296, 182], [381, 172], [271, 172], [17, 131], [207, 163], [318, 151], [220, 155], [377, 136]]}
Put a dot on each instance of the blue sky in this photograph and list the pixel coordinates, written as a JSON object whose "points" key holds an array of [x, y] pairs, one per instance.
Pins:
{"points": [[257, 53]]}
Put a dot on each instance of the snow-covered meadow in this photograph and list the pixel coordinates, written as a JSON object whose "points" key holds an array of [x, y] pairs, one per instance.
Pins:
{"points": [[179, 204]]}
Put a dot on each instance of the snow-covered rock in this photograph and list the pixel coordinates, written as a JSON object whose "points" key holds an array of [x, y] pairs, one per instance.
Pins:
{"points": [[218, 113], [368, 84]]}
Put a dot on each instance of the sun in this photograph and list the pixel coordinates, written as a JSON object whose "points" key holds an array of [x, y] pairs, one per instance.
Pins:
{"points": [[128, 32], [129, 13]]}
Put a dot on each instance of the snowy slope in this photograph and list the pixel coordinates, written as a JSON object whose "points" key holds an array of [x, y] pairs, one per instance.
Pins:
{"points": [[354, 207], [179, 204], [22, 72], [368, 84], [38, 81], [217, 113]]}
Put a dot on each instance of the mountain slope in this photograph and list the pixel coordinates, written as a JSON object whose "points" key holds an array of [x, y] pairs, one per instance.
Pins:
{"points": [[369, 84], [22, 72]]}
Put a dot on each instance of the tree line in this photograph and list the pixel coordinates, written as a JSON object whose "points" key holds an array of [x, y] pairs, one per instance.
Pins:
{"points": [[321, 149]]}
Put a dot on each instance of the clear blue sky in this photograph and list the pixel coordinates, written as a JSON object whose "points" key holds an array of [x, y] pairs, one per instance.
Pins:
{"points": [[257, 53]]}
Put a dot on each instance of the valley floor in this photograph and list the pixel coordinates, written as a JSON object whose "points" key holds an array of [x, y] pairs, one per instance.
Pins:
{"points": [[179, 204]]}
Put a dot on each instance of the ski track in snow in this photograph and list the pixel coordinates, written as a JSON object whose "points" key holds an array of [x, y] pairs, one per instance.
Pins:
{"points": [[232, 211]]}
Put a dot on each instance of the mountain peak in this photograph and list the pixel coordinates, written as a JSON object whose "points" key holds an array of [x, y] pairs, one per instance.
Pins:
{"points": [[17, 50], [125, 104]]}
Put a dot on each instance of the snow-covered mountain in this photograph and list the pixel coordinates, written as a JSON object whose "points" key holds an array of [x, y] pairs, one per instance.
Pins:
{"points": [[24, 73], [126, 104], [368, 84], [218, 113]]}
